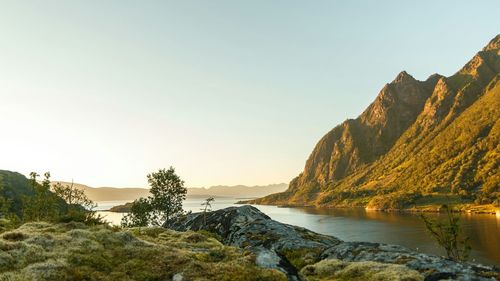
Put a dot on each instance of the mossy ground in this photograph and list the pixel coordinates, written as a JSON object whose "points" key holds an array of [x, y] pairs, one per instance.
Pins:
{"points": [[335, 270], [302, 257], [43, 251]]}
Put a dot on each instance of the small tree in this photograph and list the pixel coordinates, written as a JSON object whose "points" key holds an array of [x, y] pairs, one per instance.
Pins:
{"points": [[79, 206], [207, 207], [168, 193], [164, 204], [43, 204], [139, 215], [73, 196], [448, 234]]}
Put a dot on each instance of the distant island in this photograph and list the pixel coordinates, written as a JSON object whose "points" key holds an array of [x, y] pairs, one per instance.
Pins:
{"points": [[419, 145]]}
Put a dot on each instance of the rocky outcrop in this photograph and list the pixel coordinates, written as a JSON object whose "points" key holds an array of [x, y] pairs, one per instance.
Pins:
{"points": [[290, 248], [274, 244]]}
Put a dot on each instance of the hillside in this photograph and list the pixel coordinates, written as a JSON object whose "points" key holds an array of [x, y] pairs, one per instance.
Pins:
{"points": [[418, 143], [109, 193], [130, 194], [13, 187]]}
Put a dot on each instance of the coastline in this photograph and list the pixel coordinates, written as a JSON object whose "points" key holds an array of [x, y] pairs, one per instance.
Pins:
{"points": [[470, 209]]}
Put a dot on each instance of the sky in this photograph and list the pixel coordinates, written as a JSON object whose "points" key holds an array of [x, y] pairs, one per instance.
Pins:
{"points": [[227, 92]]}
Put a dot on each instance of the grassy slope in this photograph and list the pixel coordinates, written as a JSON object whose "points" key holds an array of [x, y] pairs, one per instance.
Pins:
{"points": [[42, 251]]}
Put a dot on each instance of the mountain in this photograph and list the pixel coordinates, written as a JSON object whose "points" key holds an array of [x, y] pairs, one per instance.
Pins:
{"points": [[419, 142], [109, 193], [130, 194], [241, 191]]}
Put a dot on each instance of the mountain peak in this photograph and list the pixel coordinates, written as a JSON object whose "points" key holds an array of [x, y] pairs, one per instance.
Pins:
{"points": [[434, 76], [403, 76], [494, 44], [398, 144], [432, 80]]}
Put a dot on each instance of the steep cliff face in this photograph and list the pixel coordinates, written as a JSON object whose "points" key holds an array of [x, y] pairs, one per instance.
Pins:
{"points": [[392, 147], [357, 142]]}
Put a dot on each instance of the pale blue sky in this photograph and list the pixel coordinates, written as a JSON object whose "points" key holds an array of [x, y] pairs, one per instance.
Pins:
{"points": [[228, 92]]}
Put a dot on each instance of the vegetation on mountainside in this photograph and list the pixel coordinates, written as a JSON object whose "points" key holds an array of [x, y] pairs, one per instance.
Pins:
{"points": [[164, 204], [449, 235], [63, 204], [23, 200], [75, 251], [13, 188], [44, 205], [449, 146]]}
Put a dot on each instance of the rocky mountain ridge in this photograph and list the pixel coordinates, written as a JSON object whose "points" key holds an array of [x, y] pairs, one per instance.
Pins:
{"points": [[392, 155]]}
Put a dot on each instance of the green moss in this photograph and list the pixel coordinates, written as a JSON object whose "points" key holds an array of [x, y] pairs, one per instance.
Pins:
{"points": [[210, 234], [302, 256], [78, 252], [14, 236], [335, 270]]}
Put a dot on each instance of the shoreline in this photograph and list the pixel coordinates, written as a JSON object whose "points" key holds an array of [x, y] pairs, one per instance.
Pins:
{"points": [[469, 210]]}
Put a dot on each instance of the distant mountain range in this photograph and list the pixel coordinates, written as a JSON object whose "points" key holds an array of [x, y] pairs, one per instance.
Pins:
{"points": [[419, 142], [130, 194], [238, 191]]}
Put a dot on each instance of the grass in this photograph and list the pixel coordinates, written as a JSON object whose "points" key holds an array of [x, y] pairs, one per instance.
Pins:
{"points": [[302, 256], [335, 270], [73, 251]]}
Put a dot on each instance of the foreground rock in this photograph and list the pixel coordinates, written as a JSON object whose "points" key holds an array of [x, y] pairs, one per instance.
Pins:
{"points": [[291, 249]]}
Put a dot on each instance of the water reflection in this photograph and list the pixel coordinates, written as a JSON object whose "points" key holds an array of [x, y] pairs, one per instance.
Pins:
{"points": [[408, 230]]}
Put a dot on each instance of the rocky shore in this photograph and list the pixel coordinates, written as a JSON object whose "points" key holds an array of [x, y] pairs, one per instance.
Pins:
{"points": [[299, 252]]}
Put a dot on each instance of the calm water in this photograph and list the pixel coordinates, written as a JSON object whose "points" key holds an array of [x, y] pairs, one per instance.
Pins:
{"points": [[360, 225]]}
